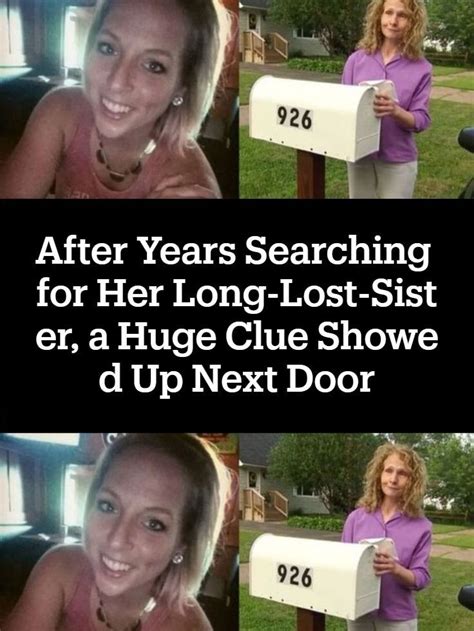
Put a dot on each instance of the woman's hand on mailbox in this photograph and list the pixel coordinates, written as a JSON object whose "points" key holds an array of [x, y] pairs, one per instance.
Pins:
{"points": [[384, 563], [384, 105]]}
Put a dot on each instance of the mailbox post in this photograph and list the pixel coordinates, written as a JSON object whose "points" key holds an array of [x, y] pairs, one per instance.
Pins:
{"points": [[310, 175], [317, 577], [318, 120], [310, 620]]}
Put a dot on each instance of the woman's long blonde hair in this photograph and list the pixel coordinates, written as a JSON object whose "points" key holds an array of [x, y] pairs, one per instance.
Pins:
{"points": [[412, 43], [208, 487], [412, 499], [208, 34]]}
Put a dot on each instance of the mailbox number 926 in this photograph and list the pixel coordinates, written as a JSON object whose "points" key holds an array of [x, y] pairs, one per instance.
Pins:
{"points": [[295, 117], [295, 575]]}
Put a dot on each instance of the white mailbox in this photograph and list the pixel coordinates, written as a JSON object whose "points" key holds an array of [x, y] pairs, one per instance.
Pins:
{"points": [[326, 118], [333, 578]]}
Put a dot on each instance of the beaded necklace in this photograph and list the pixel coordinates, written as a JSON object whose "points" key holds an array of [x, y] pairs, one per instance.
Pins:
{"points": [[136, 167], [135, 626]]}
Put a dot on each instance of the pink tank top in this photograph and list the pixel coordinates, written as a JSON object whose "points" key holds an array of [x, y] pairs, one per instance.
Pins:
{"points": [[76, 616], [76, 178]]}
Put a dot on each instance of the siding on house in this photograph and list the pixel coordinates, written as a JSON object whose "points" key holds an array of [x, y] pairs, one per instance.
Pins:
{"points": [[308, 505], [308, 47], [305, 46], [305, 504]]}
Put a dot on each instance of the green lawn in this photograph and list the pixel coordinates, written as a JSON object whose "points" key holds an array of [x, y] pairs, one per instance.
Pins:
{"points": [[458, 83], [247, 79], [441, 529], [247, 537], [437, 605], [268, 170], [460, 541], [441, 71]]}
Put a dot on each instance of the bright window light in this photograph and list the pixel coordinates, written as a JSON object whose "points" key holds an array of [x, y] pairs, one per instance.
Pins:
{"points": [[76, 484], [76, 26]]}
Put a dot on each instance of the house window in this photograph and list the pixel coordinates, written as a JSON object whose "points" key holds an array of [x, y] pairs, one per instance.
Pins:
{"points": [[305, 33], [252, 21], [304, 491]]}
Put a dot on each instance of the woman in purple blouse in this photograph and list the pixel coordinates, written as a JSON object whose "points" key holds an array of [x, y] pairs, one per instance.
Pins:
{"points": [[391, 49], [391, 507]]}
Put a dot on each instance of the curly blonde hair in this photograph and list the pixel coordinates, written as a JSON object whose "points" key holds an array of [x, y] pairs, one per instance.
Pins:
{"points": [[412, 44], [412, 498]]}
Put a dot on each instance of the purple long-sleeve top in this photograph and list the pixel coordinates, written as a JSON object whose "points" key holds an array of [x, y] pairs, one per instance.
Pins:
{"points": [[412, 538], [412, 80]]}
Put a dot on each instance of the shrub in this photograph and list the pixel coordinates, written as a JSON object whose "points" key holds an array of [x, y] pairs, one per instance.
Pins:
{"points": [[447, 59], [320, 64], [317, 522], [295, 53], [296, 512], [447, 517]]}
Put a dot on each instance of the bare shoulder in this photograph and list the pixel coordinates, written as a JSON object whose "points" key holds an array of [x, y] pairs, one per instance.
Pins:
{"points": [[60, 567], [31, 168], [65, 555], [51, 581], [62, 98], [61, 106]]}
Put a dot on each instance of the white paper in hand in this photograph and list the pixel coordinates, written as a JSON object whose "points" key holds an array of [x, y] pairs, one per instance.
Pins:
{"points": [[383, 85], [383, 544]]}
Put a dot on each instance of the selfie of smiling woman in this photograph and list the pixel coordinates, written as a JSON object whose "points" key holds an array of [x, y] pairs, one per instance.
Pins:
{"points": [[157, 548], [128, 117]]}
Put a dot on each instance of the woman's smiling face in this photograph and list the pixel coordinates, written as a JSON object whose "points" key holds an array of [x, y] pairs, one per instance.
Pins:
{"points": [[133, 69], [134, 526]]}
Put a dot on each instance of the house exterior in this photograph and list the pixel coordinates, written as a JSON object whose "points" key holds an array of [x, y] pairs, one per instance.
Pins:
{"points": [[253, 16], [254, 452]]}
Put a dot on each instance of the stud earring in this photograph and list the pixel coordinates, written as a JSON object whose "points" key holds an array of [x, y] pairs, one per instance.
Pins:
{"points": [[177, 101], [178, 558]]}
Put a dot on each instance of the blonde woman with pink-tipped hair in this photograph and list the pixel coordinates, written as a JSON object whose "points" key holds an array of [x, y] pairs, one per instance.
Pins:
{"points": [[150, 72], [153, 516]]}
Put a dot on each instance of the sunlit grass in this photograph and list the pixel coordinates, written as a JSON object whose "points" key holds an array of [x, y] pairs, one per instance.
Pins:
{"points": [[440, 71], [247, 79], [460, 541], [441, 529], [458, 83]]}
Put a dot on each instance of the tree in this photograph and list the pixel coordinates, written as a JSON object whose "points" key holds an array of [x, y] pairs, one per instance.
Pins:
{"points": [[451, 470], [338, 23], [452, 22], [422, 442], [333, 465]]}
